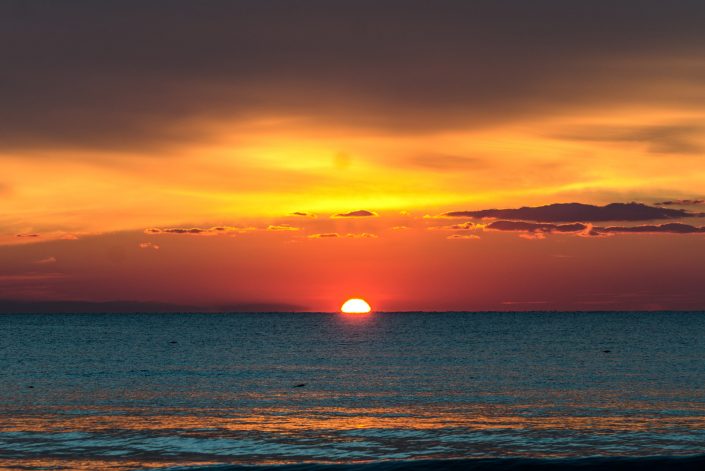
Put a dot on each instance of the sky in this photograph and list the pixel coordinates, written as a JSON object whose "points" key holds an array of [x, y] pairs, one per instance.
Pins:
{"points": [[288, 155]]}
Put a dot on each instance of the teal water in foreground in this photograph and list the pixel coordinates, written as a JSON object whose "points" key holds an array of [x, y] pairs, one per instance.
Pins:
{"points": [[136, 391]]}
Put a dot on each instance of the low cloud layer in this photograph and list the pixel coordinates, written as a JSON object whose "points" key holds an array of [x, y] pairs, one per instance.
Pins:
{"points": [[463, 237], [539, 230], [336, 235], [465, 226], [680, 203], [325, 235], [520, 226], [282, 228], [672, 228], [578, 212], [216, 230]]}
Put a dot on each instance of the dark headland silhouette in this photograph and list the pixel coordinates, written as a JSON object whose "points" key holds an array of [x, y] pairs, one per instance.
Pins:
{"points": [[26, 307]]}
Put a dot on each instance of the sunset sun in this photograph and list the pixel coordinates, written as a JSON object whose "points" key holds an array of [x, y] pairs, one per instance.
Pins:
{"points": [[355, 306]]}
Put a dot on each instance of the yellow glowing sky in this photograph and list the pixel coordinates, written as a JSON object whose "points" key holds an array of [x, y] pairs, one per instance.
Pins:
{"points": [[267, 169]]}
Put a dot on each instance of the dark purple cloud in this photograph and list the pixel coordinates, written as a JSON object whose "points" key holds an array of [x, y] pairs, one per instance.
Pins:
{"points": [[361, 213], [672, 228], [578, 212], [521, 226], [588, 230], [680, 203]]}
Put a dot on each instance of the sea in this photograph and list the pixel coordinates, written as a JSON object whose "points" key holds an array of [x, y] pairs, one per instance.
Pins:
{"points": [[328, 391]]}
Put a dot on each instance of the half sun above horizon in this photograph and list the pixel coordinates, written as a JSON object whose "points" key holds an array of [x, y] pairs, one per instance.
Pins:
{"points": [[355, 306]]}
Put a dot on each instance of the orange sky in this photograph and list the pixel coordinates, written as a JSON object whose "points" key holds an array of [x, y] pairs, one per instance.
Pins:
{"points": [[122, 124]]}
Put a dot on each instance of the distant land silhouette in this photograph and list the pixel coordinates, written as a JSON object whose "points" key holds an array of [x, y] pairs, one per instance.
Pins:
{"points": [[16, 306]]}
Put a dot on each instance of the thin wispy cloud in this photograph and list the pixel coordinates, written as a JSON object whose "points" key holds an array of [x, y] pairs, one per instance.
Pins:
{"points": [[282, 228], [45, 261], [215, 230]]}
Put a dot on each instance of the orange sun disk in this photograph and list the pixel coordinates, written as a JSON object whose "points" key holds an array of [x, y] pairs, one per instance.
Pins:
{"points": [[355, 306]]}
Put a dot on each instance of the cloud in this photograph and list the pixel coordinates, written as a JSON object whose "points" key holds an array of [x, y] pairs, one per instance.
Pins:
{"points": [[360, 213], [362, 235], [531, 230], [533, 235], [361, 63], [578, 212], [303, 214], [31, 276], [325, 235], [148, 245], [175, 230], [44, 261], [335, 235], [463, 237], [680, 203], [669, 139], [465, 226], [47, 234], [521, 226], [217, 230], [282, 227], [672, 228]]}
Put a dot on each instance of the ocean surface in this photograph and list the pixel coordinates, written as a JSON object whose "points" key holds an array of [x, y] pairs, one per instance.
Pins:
{"points": [[379, 391]]}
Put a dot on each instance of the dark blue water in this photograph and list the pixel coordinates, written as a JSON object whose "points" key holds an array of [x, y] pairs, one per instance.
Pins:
{"points": [[110, 391]]}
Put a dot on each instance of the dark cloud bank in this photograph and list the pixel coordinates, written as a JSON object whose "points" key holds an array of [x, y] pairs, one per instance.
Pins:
{"points": [[578, 212], [579, 219], [522, 226], [129, 74], [589, 230]]}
